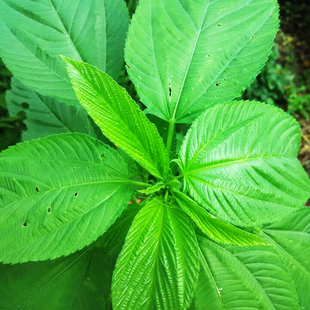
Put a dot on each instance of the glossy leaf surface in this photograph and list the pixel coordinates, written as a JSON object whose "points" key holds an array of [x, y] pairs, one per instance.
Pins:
{"points": [[215, 228], [158, 267], [184, 55], [291, 238], [239, 161], [34, 33], [243, 278], [119, 117], [58, 195], [46, 116]]}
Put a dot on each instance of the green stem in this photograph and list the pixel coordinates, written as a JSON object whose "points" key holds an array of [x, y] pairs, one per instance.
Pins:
{"points": [[139, 184], [170, 135], [179, 177]]}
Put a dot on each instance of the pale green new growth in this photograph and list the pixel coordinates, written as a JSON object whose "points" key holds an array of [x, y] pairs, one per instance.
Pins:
{"points": [[119, 117]]}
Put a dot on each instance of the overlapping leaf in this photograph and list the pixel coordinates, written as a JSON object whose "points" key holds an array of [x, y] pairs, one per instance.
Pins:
{"points": [[46, 116], [239, 161], [184, 55], [81, 281], [119, 117], [243, 278], [214, 228], [58, 195], [34, 33], [158, 267], [291, 238]]}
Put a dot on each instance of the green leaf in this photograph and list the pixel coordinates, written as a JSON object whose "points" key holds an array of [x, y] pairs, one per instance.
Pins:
{"points": [[291, 238], [242, 278], [214, 228], [158, 267], [34, 33], [47, 116], [119, 117], [239, 162], [184, 55], [57, 195], [81, 281]]}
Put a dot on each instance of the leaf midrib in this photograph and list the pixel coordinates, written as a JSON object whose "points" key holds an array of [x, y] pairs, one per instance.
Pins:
{"points": [[55, 277], [234, 161], [128, 101], [50, 69], [190, 61], [225, 67], [249, 273], [284, 252], [237, 125], [44, 192], [65, 32]]}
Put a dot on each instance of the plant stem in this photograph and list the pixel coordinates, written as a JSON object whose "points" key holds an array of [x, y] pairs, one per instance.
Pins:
{"points": [[140, 184], [179, 177], [170, 135]]}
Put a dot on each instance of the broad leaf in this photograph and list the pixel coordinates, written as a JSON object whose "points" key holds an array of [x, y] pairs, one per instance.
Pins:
{"points": [[81, 281], [291, 238], [158, 267], [242, 278], [239, 161], [119, 117], [184, 55], [214, 228], [47, 116], [58, 195], [34, 33]]}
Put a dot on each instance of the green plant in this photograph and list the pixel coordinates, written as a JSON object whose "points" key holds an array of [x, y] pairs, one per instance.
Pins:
{"points": [[220, 224], [299, 102]]}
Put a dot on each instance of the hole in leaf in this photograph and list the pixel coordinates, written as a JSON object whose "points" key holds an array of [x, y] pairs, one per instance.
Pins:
{"points": [[127, 66], [37, 189], [49, 210], [219, 24], [217, 84], [102, 155], [25, 224], [87, 167], [76, 193], [25, 105], [73, 168], [170, 91]]}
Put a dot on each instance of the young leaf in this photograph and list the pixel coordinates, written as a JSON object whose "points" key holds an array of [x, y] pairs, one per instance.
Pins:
{"points": [[239, 161], [119, 117], [158, 266], [34, 33], [242, 278], [57, 195], [80, 281], [185, 55], [46, 116], [214, 228], [291, 238]]}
